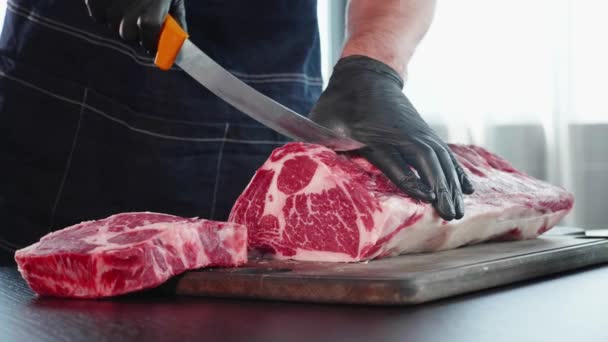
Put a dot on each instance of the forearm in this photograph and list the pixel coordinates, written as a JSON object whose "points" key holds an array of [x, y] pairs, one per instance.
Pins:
{"points": [[387, 30]]}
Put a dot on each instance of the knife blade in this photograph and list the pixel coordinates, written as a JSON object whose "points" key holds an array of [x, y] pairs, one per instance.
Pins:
{"points": [[175, 47]]}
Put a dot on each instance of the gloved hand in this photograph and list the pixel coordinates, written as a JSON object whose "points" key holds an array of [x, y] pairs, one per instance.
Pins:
{"points": [[137, 20], [364, 100]]}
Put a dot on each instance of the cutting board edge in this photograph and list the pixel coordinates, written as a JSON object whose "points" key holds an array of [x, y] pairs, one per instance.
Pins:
{"points": [[415, 289]]}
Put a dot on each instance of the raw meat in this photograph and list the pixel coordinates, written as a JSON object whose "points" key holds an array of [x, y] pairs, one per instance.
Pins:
{"points": [[309, 203], [127, 252]]}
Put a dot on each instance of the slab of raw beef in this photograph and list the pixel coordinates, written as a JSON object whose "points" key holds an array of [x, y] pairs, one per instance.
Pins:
{"points": [[127, 252], [309, 203]]}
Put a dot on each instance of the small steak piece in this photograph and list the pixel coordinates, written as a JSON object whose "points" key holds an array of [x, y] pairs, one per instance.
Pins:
{"points": [[127, 252], [309, 203]]}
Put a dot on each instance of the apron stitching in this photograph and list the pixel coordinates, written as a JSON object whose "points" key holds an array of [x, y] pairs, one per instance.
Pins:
{"points": [[7, 247], [93, 39], [146, 61], [8, 243], [31, 15], [217, 171], [125, 49], [69, 161], [135, 129]]}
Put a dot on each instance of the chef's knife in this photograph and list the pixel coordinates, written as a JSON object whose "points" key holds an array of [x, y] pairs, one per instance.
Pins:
{"points": [[175, 47]]}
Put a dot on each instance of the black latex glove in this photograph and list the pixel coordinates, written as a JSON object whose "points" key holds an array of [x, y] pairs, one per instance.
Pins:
{"points": [[137, 20], [364, 100]]}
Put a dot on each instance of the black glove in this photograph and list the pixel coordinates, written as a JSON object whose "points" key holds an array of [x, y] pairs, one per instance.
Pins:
{"points": [[137, 20], [364, 100]]}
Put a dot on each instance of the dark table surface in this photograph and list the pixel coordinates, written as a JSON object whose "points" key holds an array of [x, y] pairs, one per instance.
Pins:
{"points": [[568, 307]]}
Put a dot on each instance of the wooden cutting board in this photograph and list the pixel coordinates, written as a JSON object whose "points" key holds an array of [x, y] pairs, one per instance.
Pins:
{"points": [[408, 279]]}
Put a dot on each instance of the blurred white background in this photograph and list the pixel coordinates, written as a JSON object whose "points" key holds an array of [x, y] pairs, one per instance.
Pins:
{"points": [[525, 78], [2, 11]]}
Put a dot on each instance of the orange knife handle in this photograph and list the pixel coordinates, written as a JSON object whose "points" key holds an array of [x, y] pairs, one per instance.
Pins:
{"points": [[172, 37]]}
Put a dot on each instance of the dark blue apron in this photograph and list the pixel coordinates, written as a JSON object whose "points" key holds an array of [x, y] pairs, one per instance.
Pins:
{"points": [[89, 127]]}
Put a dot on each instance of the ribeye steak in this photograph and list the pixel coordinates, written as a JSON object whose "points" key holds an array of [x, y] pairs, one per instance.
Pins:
{"points": [[127, 252], [309, 203]]}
